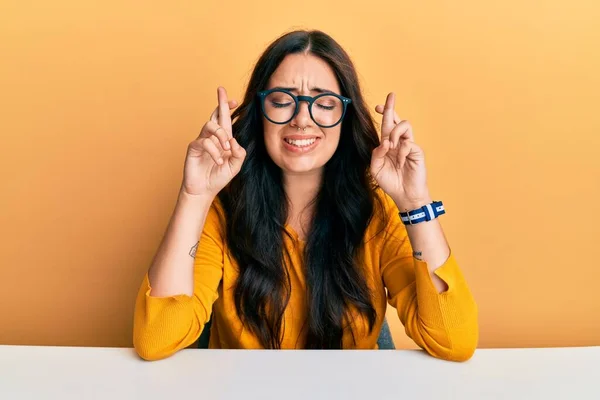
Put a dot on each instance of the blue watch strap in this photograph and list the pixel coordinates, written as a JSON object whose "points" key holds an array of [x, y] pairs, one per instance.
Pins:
{"points": [[423, 214]]}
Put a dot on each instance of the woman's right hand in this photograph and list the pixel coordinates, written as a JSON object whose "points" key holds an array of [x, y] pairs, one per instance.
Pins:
{"points": [[215, 157]]}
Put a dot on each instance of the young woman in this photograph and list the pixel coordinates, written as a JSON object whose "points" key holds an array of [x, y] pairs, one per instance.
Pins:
{"points": [[289, 230]]}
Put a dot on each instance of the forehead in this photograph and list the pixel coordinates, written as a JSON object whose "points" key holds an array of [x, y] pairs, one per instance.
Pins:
{"points": [[304, 71]]}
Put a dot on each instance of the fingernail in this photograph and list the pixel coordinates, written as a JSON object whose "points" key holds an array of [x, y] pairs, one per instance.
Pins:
{"points": [[220, 161], [227, 146]]}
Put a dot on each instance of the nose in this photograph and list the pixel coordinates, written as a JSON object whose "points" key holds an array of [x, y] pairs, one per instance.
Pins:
{"points": [[302, 118]]}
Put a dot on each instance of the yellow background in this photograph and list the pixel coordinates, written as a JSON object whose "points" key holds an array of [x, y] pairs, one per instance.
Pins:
{"points": [[98, 103]]}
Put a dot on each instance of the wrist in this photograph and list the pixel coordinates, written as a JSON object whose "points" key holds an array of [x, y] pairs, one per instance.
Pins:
{"points": [[198, 199], [413, 204]]}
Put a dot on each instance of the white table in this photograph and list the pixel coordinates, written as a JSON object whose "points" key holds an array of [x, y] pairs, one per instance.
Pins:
{"points": [[29, 372]]}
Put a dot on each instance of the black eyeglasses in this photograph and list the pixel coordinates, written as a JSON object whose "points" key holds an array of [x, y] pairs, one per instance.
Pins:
{"points": [[280, 106]]}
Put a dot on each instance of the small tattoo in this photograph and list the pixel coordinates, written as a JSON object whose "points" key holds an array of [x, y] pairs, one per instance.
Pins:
{"points": [[193, 250], [418, 255]]}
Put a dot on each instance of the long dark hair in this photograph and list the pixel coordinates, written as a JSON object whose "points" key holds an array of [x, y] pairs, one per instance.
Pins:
{"points": [[256, 210]]}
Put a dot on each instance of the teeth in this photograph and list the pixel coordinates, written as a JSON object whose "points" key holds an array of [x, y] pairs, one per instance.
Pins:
{"points": [[301, 143]]}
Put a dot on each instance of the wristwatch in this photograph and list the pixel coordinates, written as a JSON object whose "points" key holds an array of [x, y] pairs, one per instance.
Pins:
{"points": [[423, 214]]}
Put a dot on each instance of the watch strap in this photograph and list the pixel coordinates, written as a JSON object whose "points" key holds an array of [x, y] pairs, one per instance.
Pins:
{"points": [[423, 214]]}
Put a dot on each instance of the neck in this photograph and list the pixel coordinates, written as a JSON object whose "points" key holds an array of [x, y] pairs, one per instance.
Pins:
{"points": [[301, 189]]}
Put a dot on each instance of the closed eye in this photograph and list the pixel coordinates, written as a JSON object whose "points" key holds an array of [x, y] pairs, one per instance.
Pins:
{"points": [[280, 105], [324, 107]]}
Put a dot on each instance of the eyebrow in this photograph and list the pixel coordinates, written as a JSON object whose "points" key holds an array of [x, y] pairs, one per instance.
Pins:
{"points": [[312, 89]]}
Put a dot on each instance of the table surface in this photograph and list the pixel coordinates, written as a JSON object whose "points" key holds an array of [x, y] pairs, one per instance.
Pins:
{"points": [[32, 372]]}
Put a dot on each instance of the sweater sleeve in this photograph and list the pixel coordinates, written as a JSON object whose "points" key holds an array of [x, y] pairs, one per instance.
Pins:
{"points": [[443, 324], [164, 325]]}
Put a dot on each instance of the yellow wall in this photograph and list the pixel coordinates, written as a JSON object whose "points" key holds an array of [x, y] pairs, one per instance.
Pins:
{"points": [[98, 103]]}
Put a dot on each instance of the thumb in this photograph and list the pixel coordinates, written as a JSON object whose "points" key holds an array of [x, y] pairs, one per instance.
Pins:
{"points": [[378, 157], [238, 154]]}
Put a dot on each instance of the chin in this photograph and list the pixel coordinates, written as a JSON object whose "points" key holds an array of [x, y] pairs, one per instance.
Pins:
{"points": [[298, 167]]}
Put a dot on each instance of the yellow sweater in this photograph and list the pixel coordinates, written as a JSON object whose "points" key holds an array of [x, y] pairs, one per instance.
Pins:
{"points": [[443, 324]]}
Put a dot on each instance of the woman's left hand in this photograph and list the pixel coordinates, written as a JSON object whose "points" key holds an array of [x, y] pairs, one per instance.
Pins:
{"points": [[398, 164]]}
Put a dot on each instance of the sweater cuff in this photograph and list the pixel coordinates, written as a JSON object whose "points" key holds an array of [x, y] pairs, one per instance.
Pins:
{"points": [[153, 305], [451, 308]]}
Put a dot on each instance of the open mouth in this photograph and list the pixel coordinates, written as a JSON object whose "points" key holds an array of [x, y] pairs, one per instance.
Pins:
{"points": [[301, 146], [301, 143]]}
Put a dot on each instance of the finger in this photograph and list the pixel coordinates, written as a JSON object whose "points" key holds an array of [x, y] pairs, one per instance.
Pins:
{"points": [[224, 115], [381, 150], [214, 117], [224, 153], [378, 156], [197, 145], [215, 114], [379, 110], [405, 149], [238, 154], [214, 129], [387, 122], [402, 131], [211, 148], [237, 151]]}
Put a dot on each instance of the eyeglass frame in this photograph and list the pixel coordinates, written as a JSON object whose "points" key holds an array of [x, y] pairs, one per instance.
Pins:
{"points": [[297, 99]]}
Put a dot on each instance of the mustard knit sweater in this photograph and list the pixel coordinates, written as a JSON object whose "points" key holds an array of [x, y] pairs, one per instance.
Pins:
{"points": [[443, 324]]}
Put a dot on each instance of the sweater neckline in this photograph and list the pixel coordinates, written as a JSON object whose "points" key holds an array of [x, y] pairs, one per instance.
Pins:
{"points": [[294, 234]]}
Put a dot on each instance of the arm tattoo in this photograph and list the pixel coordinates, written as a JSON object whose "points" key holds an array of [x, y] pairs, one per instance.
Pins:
{"points": [[193, 250], [418, 255]]}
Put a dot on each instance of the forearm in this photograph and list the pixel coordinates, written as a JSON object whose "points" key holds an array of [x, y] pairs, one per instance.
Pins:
{"points": [[172, 269], [428, 243]]}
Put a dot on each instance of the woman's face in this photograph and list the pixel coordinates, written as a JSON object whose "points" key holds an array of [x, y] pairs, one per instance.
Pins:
{"points": [[301, 146]]}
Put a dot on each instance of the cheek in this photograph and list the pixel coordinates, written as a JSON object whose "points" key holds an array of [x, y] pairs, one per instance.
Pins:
{"points": [[333, 141], [271, 137]]}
